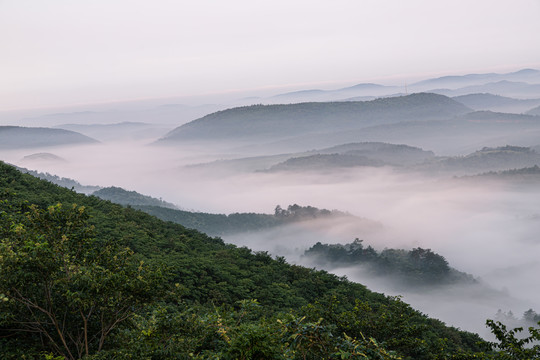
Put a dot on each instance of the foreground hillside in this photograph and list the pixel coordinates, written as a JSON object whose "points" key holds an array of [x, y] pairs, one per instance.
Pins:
{"points": [[82, 277]]}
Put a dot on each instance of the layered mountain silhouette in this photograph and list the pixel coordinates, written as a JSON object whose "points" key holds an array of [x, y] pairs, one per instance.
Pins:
{"points": [[497, 103], [285, 121], [16, 137]]}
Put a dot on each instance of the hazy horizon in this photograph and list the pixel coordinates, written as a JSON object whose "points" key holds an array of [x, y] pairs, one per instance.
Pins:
{"points": [[61, 54]]}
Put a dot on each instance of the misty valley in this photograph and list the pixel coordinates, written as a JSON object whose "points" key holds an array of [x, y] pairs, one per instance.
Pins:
{"points": [[370, 219]]}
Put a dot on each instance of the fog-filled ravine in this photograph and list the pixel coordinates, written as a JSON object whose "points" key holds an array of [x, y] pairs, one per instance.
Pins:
{"points": [[460, 179]]}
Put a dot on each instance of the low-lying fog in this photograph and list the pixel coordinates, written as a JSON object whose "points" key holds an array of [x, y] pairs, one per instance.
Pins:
{"points": [[486, 229]]}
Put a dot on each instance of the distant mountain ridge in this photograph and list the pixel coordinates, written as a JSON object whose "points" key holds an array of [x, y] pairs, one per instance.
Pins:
{"points": [[517, 89], [458, 135], [17, 137], [373, 154], [283, 121], [497, 103], [444, 85], [364, 90], [118, 131], [503, 158], [378, 153], [459, 81]]}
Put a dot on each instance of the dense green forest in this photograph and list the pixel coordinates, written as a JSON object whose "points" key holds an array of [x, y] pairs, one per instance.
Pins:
{"points": [[221, 224], [416, 267], [81, 277], [212, 224]]}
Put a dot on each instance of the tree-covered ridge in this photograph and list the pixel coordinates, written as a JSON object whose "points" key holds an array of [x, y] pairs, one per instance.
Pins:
{"points": [[486, 101], [391, 154], [221, 224], [410, 267], [287, 120], [378, 153], [212, 224], [125, 197], [486, 159], [92, 255], [409, 158], [325, 162], [61, 181], [532, 172]]}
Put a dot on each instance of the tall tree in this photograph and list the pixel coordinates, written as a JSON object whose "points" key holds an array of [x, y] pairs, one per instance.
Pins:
{"points": [[60, 283]]}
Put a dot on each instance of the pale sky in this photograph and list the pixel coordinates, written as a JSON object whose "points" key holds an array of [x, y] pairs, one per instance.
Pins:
{"points": [[67, 52]]}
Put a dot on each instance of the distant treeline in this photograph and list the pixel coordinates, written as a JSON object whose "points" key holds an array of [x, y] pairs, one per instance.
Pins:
{"points": [[413, 267], [221, 224]]}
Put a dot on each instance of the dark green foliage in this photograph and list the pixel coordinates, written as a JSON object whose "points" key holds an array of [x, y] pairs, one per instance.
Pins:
{"points": [[513, 347], [213, 224], [221, 224], [62, 284], [202, 312], [414, 267]]}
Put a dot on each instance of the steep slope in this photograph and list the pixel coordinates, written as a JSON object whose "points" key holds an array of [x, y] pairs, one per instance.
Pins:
{"points": [[16, 137], [210, 273], [283, 121]]}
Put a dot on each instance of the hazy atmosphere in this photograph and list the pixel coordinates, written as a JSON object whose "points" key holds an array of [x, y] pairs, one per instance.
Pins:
{"points": [[59, 53], [405, 124]]}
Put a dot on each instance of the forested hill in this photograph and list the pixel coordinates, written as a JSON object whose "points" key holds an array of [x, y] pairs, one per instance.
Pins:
{"points": [[276, 121], [69, 288], [221, 224], [421, 268], [15, 137], [125, 197]]}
